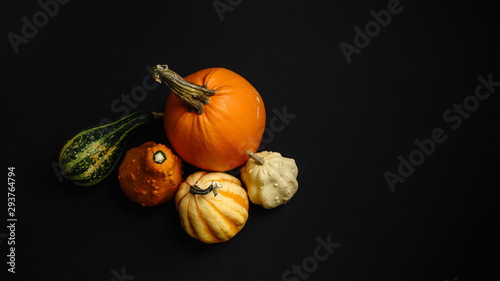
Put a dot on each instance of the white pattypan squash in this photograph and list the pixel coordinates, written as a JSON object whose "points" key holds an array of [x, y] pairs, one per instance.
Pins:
{"points": [[270, 179]]}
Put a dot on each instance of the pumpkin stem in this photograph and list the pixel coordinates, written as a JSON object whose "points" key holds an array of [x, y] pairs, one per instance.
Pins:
{"points": [[159, 157], [198, 191], [194, 95], [260, 161]]}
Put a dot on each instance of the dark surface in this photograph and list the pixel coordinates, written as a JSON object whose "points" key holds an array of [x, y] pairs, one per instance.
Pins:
{"points": [[352, 121]]}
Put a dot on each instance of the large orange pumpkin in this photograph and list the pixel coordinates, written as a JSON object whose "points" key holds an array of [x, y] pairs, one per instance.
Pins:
{"points": [[213, 117]]}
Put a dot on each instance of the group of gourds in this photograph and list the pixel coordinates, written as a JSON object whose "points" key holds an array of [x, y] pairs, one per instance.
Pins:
{"points": [[214, 120]]}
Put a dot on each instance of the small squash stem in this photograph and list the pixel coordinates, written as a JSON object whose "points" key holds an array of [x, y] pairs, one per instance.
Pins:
{"points": [[159, 157], [198, 191], [260, 161], [158, 115], [194, 95]]}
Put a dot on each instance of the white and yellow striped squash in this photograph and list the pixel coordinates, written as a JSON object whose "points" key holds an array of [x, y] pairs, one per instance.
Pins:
{"points": [[213, 207]]}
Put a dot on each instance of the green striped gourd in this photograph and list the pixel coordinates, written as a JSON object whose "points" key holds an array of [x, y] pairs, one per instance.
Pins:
{"points": [[91, 155]]}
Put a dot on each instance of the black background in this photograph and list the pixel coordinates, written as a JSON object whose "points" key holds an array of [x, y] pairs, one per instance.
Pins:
{"points": [[352, 121]]}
